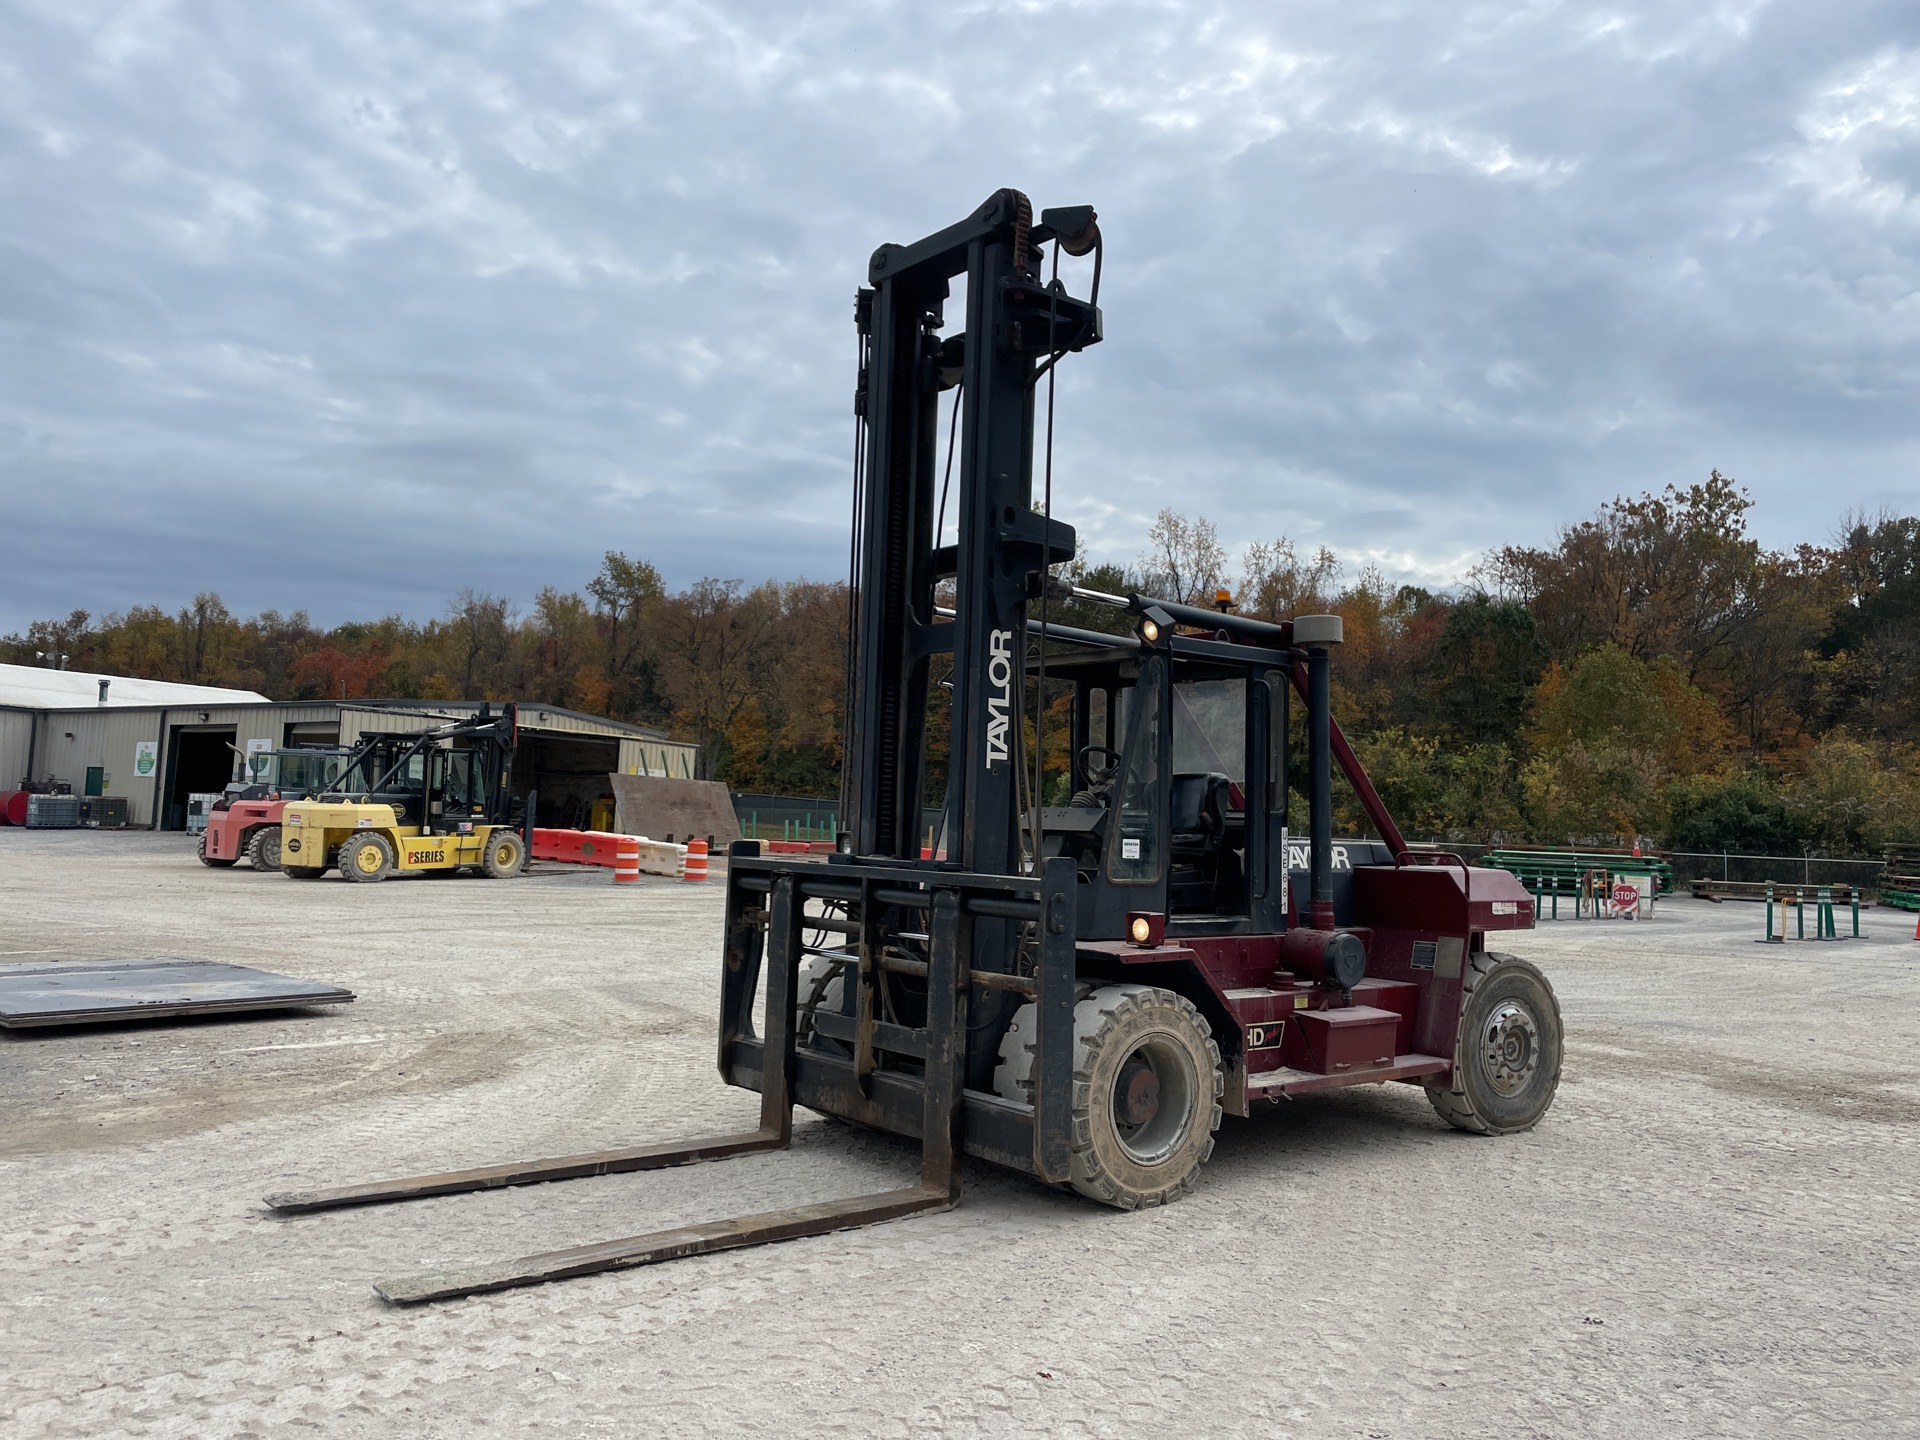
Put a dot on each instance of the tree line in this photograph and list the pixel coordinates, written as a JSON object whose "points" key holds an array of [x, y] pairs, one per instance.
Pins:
{"points": [[752, 677], [1653, 673]]}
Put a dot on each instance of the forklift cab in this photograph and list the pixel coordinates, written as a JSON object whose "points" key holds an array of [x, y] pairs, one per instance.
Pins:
{"points": [[399, 781], [1178, 788], [436, 781], [456, 790]]}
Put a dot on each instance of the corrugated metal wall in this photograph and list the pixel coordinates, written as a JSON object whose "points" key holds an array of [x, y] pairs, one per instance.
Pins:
{"points": [[16, 731], [657, 757], [113, 738], [638, 755], [355, 723]]}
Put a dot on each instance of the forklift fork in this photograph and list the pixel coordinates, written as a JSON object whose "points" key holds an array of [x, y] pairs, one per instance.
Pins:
{"points": [[938, 1188]]}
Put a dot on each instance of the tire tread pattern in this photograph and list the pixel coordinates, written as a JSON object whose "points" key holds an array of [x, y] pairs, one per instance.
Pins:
{"points": [[259, 855], [1451, 1102], [1097, 1014]]}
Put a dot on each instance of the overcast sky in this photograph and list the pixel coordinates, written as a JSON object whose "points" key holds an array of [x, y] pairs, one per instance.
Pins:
{"points": [[345, 306]]}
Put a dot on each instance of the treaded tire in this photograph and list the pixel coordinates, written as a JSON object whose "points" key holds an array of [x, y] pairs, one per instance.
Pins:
{"points": [[1507, 1055], [1157, 1162], [210, 861], [303, 872], [821, 986], [263, 850], [506, 852], [366, 859]]}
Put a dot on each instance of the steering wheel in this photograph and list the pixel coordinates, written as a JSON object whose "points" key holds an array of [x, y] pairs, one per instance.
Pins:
{"points": [[1099, 779]]}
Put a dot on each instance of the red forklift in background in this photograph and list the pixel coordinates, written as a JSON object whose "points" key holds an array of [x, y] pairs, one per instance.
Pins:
{"points": [[244, 823], [1077, 992]]}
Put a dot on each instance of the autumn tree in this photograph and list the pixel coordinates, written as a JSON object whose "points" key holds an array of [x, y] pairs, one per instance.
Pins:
{"points": [[481, 626], [1184, 560], [1486, 663], [1277, 584], [715, 644], [1668, 574], [627, 595], [1871, 654]]}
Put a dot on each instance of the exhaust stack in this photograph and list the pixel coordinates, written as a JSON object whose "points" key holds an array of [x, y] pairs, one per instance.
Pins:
{"points": [[1317, 634]]}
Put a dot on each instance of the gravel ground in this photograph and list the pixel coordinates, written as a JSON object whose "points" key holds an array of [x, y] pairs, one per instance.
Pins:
{"points": [[1711, 1234]]}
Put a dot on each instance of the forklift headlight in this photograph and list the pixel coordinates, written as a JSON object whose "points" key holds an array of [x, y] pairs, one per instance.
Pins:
{"points": [[1149, 631], [1142, 931]]}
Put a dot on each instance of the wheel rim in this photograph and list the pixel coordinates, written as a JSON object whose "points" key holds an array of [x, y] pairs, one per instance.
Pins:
{"points": [[1153, 1094], [367, 859], [1510, 1048], [503, 855]]}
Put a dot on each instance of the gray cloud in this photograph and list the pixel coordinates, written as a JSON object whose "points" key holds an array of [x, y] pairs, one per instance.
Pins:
{"points": [[348, 306]]}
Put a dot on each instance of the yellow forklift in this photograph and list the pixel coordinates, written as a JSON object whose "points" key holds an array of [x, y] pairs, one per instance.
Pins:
{"points": [[433, 803]]}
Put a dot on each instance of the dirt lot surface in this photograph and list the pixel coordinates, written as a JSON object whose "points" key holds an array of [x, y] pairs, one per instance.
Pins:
{"points": [[1712, 1233]]}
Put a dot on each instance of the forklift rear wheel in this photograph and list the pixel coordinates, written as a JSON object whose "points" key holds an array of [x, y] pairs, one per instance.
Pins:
{"points": [[1147, 1083], [366, 858], [503, 857], [1507, 1057], [303, 872], [211, 862], [264, 849]]}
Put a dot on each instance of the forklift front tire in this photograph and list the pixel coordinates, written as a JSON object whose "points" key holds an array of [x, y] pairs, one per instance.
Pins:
{"points": [[366, 858], [303, 872], [1147, 1082], [504, 854], [210, 861]]}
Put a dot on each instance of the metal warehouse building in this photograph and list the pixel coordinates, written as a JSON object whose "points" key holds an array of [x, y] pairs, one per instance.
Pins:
{"points": [[156, 743]]}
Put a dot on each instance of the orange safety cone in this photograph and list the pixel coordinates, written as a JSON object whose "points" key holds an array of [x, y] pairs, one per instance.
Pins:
{"points": [[626, 860], [696, 860]]}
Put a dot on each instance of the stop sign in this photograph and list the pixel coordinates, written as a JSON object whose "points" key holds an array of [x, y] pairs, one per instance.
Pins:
{"points": [[1625, 896]]}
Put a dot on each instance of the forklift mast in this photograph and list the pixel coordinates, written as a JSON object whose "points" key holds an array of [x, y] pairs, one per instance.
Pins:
{"points": [[1014, 323], [380, 761]]}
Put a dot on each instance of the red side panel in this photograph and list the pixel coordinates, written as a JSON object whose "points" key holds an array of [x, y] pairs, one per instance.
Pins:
{"points": [[229, 829]]}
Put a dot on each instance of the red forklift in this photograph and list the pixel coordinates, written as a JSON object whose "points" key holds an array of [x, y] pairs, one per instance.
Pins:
{"points": [[244, 823], [1076, 992]]}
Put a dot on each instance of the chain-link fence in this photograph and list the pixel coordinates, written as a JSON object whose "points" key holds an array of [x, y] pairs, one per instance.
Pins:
{"points": [[1781, 869], [1728, 865]]}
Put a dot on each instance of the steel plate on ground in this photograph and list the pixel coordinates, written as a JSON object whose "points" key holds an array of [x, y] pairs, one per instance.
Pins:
{"points": [[136, 989]]}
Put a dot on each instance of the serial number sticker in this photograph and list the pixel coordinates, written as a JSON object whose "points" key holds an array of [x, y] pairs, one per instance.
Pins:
{"points": [[365, 822], [1266, 1037], [1506, 907], [293, 819], [1424, 952], [1129, 849]]}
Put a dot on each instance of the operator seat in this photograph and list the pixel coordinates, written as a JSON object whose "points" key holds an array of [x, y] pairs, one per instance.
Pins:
{"points": [[1196, 808], [1207, 832]]}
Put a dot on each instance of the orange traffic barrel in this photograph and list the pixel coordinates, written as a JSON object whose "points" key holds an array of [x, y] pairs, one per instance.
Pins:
{"points": [[626, 860], [696, 860]]}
